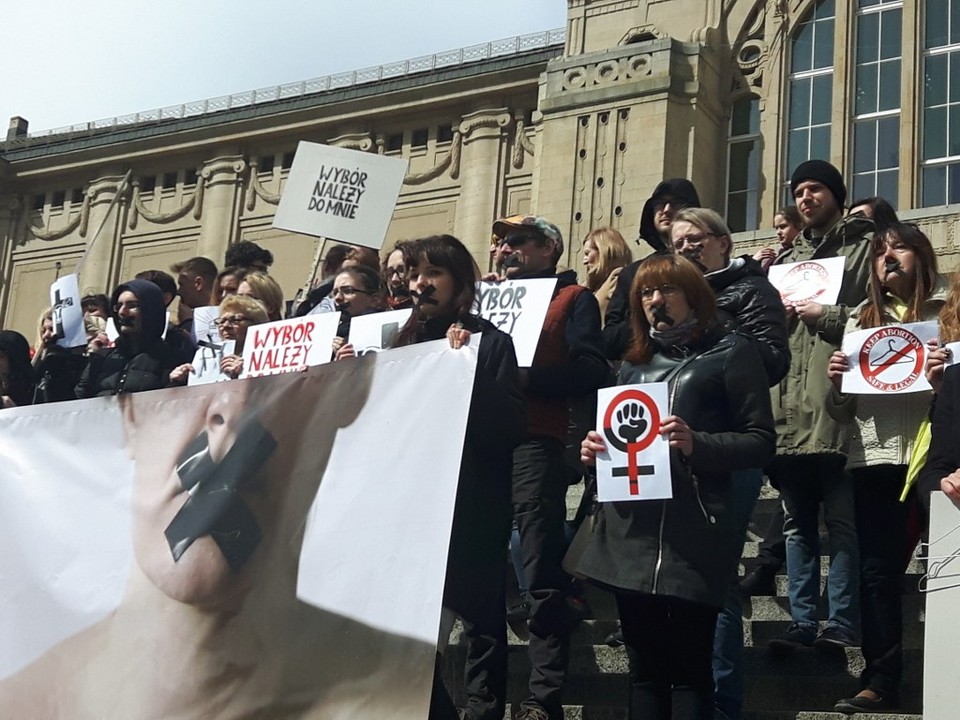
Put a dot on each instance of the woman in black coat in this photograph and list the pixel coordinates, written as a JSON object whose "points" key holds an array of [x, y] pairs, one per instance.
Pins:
{"points": [[670, 562], [442, 277]]}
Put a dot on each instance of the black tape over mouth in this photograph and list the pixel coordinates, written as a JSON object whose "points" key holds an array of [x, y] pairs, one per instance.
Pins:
{"points": [[893, 266], [214, 507], [660, 315], [423, 298]]}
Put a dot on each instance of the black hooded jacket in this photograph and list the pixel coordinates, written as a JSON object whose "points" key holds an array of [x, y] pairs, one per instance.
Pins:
{"points": [[20, 381], [617, 332], [133, 366]]}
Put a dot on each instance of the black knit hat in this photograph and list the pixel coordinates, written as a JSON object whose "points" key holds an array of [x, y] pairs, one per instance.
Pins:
{"points": [[822, 172]]}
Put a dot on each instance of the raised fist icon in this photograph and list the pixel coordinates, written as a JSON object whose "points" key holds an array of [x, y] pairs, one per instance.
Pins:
{"points": [[631, 422]]}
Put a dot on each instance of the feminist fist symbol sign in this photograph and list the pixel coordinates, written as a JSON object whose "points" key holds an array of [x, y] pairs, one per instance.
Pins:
{"points": [[628, 429]]}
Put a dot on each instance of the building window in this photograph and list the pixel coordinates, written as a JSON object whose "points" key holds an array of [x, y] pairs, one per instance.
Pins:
{"points": [[147, 184], [394, 142], [76, 196], [287, 161], [265, 164], [743, 165], [444, 133], [940, 153], [59, 197], [419, 138], [876, 101], [39, 201], [810, 87], [169, 180], [190, 176]]}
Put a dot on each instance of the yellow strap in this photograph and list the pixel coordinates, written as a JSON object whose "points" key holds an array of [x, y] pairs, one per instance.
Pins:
{"points": [[921, 447]]}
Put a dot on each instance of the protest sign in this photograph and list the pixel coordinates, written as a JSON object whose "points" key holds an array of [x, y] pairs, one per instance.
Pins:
{"points": [[206, 362], [636, 464], [289, 345], [518, 307], [227, 515], [204, 323], [338, 193], [67, 314], [887, 359], [809, 281], [941, 584], [375, 331]]}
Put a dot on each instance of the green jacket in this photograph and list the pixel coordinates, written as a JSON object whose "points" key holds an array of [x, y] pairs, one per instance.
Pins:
{"points": [[799, 402]]}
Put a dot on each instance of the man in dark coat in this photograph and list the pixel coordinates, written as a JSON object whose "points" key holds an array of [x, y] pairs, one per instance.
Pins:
{"points": [[669, 198], [140, 359]]}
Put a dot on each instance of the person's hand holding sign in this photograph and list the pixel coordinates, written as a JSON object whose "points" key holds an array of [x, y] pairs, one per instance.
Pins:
{"points": [[836, 367], [591, 445], [676, 430], [936, 363], [809, 312], [950, 485], [457, 336]]}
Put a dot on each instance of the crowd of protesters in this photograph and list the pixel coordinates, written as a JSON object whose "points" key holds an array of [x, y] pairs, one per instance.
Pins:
{"points": [[755, 390]]}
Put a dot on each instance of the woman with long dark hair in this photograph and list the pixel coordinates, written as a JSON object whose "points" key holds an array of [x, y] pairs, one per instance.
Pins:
{"points": [[16, 372], [904, 288], [670, 562], [442, 279]]}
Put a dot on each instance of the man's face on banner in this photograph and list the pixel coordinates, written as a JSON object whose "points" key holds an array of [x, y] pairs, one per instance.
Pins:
{"points": [[224, 477]]}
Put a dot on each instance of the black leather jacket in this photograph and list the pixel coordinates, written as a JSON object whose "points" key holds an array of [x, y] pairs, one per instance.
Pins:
{"points": [[688, 546], [749, 305]]}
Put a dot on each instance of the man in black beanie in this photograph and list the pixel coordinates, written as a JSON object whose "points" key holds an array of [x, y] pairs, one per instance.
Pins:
{"points": [[809, 466], [668, 198]]}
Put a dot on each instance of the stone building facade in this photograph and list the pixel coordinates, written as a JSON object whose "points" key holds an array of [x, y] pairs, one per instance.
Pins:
{"points": [[576, 124]]}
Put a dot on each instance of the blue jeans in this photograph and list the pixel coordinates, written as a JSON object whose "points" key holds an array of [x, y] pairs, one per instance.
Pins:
{"points": [[806, 482], [728, 638]]}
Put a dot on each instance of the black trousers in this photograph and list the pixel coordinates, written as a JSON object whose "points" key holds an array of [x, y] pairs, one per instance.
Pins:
{"points": [[882, 537], [672, 647], [539, 504]]}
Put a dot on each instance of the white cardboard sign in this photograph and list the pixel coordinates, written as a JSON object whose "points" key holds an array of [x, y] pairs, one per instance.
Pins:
{"points": [[518, 307], [809, 281], [887, 359], [636, 464], [289, 345], [375, 331], [206, 362], [338, 193], [204, 323], [67, 312], [941, 584]]}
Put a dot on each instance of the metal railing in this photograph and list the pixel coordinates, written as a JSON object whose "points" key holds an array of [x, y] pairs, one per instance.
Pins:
{"points": [[389, 71]]}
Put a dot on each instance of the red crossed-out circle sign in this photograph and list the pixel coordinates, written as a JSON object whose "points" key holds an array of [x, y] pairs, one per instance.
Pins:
{"points": [[652, 417], [891, 359], [805, 282]]}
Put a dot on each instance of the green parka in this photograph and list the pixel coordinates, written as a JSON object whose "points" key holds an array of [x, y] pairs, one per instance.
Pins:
{"points": [[799, 402]]}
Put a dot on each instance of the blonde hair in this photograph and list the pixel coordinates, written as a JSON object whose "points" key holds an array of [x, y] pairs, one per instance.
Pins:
{"points": [[266, 290], [248, 306], [950, 313], [40, 350], [709, 221], [613, 253]]}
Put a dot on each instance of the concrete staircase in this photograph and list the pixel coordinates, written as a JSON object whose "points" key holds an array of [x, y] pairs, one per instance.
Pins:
{"points": [[803, 685]]}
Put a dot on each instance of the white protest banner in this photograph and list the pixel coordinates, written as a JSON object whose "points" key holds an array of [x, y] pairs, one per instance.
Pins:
{"points": [[289, 345], [236, 535], [941, 631], [636, 465], [375, 331], [338, 193], [809, 281], [887, 359], [206, 362], [518, 307], [67, 312], [204, 323]]}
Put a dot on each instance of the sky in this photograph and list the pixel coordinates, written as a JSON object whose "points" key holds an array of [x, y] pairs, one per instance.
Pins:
{"points": [[67, 62]]}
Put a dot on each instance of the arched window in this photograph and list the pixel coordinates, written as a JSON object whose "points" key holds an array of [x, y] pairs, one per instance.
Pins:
{"points": [[743, 165]]}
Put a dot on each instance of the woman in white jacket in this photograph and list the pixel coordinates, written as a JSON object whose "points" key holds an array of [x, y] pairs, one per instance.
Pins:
{"points": [[904, 288]]}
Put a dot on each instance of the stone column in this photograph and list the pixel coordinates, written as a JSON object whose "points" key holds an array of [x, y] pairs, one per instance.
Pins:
{"points": [[220, 214], [99, 269], [481, 170]]}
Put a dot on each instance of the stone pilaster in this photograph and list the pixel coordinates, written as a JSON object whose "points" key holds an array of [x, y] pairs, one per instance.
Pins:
{"points": [[97, 273], [222, 195], [482, 164]]}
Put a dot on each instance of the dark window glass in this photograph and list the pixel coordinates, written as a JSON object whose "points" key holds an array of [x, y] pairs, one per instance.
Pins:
{"points": [[59, 196], [934, 186], [265, 164], [444, 133], [76, 196], [147, 184], [39, 201], [287, 161], [169, 180], [419, 137], [394, 142], [190, 176]]}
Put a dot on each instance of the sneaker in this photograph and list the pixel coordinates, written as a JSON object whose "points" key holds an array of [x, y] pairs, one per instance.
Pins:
{"points": [[797, 636], [532, 711], [759, 581], [834, 638], [866, 701], [615, 639]]}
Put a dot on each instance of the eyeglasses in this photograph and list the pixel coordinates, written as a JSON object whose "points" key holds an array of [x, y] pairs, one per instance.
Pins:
{"points": [[129, 305], [347, 290], [231, 320], [667, 290], [401, 271], [692, 239]]}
